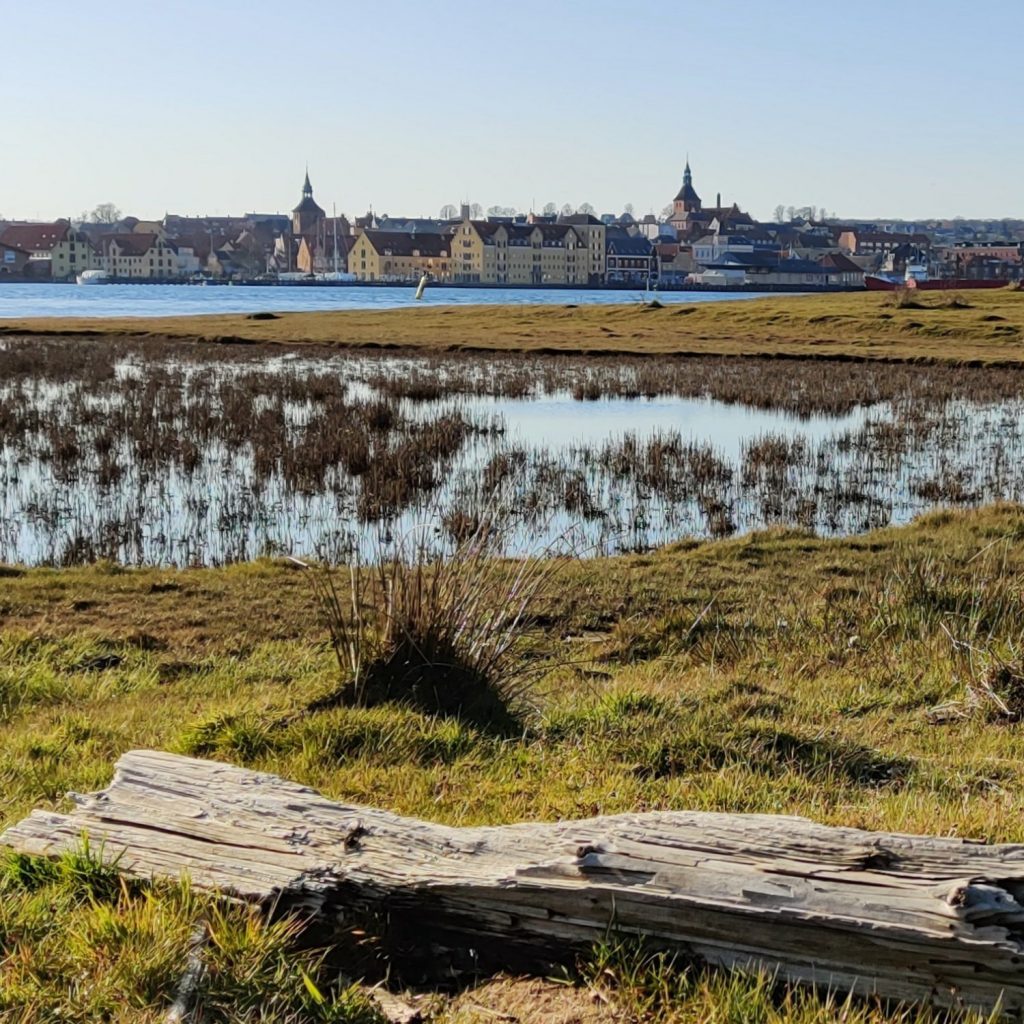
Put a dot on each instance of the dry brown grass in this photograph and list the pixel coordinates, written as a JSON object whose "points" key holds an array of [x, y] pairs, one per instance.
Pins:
{"points": [[849, 326]]}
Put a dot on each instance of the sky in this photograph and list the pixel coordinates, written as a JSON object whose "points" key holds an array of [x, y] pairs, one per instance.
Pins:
{"points": [[870, 109]]}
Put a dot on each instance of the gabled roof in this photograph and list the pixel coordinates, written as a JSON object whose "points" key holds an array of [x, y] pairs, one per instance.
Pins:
{"points": [[487, 229], [760, 260], [837, 261], [404, 243], [579, 218], [35, 237], [554, 232], [133, 244], [629, 245]]}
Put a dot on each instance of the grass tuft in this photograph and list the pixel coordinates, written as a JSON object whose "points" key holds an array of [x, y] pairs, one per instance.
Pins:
{"points": [[444, 631]]}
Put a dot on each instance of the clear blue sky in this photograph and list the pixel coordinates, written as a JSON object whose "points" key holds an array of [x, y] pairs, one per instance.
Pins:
{"points": [[870, 108]]}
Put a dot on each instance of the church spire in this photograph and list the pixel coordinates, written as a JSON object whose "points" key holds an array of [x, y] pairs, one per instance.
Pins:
{"points": [[307, 189], [687, 176]]}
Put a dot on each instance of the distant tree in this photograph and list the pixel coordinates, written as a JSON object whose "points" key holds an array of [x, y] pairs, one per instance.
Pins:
{"points": [[550, 209], [567, 210], [667, 210], [105, 213], [585, 208], [449, 211], [476, 211], [790, 213], [780, 213], [495, 211], [630, 209]]}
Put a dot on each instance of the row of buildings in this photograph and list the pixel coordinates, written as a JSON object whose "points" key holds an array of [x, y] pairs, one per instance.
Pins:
{"points": [[692, 244]]}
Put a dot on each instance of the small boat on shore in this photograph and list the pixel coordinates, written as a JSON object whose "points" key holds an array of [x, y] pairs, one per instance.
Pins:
{"points": [[92, 277]]}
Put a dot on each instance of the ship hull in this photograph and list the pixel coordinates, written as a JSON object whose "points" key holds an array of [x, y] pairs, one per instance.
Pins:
{"points": [[883, 284]]}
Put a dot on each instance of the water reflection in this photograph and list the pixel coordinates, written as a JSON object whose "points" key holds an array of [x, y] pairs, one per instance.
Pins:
{"points": [[148, 460]]}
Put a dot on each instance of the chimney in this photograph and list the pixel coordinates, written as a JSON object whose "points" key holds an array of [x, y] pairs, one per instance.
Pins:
{"points": [[464, 211], [718, 200]]}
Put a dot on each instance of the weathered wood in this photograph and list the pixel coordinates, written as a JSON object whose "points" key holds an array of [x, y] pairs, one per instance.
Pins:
{"points": [[905, 917]]}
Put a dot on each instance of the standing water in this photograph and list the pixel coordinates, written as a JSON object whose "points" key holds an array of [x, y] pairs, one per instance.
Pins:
{"points": [[153, 453]]}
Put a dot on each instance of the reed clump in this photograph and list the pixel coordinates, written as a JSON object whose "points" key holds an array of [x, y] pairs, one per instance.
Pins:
{"points": [[444, 630]]}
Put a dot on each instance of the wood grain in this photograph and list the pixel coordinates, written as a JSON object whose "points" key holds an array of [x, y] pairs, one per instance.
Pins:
{"points": [[905, 917]]}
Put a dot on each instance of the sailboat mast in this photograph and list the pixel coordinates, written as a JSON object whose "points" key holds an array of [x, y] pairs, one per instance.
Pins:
{"points": [[334, 217]]}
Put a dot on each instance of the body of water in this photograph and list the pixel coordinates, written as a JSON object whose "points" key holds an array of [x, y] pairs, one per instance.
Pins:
{"points": [[155, 454], [69, 300]]}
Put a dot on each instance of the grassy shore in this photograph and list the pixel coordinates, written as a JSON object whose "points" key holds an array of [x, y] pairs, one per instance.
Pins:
{"points": [[772, 673], [976, 326]]}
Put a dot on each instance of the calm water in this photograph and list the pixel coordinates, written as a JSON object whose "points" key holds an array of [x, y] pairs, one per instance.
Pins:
{"points": [[69, 300], [213, 461]]}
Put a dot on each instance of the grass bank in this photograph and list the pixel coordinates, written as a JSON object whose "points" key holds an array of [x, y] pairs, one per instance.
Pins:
{"points": [[863, 682], [977, 326]]}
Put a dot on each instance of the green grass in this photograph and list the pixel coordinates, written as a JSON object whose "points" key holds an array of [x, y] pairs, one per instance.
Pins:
{"points": [[986, 326], [79, 944], [770, 673]]}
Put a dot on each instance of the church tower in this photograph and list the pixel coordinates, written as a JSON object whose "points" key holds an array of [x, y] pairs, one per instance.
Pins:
{"points": [[307, 216], [686, 200]]}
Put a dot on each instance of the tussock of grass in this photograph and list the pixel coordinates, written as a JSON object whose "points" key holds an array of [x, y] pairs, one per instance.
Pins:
{"points": [[446, 632]]}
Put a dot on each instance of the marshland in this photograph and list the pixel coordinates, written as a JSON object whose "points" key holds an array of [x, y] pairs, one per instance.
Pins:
{"points": [[165, 453], [486, 588]]}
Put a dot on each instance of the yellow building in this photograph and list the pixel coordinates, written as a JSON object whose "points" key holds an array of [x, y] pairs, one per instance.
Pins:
{"points": [[140, 256], [74, 253], [508, 253], [593, 235], [400, 256], [475, 249]]}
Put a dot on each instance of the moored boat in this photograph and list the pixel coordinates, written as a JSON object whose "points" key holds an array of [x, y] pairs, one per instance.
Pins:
{"points": [[92, 277]]}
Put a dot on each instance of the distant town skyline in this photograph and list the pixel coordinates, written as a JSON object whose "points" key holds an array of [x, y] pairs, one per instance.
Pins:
{"points": [[873, 111]]}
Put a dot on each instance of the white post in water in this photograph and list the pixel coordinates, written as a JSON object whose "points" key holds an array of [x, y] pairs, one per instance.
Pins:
{"points": [[421, 286]]}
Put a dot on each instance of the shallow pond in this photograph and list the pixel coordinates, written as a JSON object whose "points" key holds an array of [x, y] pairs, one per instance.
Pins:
{"points": [[151, 457]]}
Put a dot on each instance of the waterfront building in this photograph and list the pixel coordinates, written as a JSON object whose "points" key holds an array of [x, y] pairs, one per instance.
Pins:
{"points": [[39, 241], [317, 254], [13, 260], [502, 252], [480, 252], [769, 270], [140, 256], [593, 233], [399, 256], [72, 254], [630, 259], [842, 270]]}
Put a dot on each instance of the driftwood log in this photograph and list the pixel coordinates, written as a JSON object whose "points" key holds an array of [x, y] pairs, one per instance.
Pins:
{"points": [[899, 916]]}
